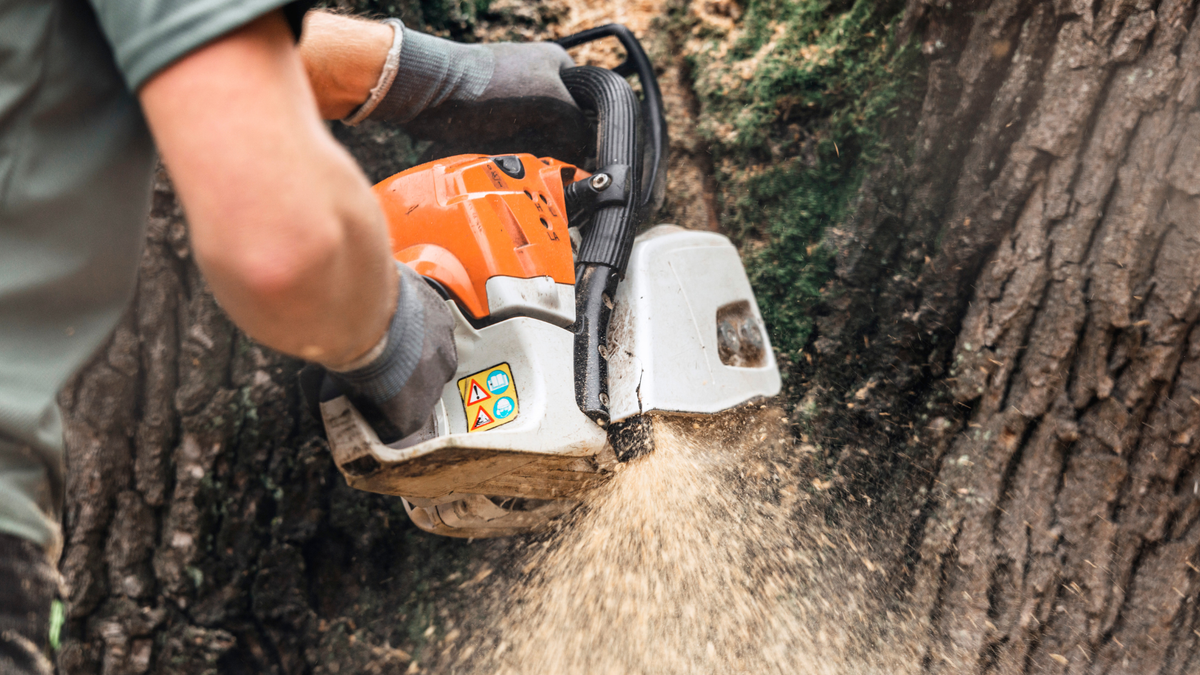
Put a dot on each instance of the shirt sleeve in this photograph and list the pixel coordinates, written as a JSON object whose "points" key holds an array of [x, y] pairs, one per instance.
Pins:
{"points": [[148, 35]]}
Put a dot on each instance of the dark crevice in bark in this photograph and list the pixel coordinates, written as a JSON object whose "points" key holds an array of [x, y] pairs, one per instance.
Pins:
{"points": [[1143, 549], [1026, 336], [989, 660], [918, 525], [1008, 477], [939, 599], [1034, 640], [1183, 640]]}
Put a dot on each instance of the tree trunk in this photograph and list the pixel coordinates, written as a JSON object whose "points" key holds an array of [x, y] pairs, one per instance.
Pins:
{"points": [[1030, 292], [1006, 360]]}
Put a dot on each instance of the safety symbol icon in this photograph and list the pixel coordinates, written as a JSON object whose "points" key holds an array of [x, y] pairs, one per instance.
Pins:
{"points": [[503, 408], [497, 381], [476, 395], [483, 404], [481, 420]]}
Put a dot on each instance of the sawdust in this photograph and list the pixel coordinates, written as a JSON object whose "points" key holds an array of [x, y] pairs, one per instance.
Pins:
{"points": [[695, 558]]}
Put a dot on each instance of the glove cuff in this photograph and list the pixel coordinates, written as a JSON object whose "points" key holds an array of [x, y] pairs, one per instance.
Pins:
{"points": [[431, 71], [386, 374], [386, 77]]}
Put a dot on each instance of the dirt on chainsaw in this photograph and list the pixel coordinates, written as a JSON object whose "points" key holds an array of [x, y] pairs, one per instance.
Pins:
{"points": [[705, 555]]}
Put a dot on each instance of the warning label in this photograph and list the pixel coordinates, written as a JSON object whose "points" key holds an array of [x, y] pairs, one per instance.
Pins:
{"points": [[489, 398]]}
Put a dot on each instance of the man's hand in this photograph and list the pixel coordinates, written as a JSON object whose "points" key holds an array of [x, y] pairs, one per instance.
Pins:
{"points": [[494, 98], [283, 223], [522, 107], [398, 388]]}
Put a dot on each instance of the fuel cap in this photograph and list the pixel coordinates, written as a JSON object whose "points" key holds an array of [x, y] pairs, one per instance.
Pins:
{"points": [[511, 166]]}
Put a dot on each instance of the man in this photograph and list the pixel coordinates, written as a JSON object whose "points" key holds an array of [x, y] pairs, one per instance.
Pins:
{"points": [[283, 223]]}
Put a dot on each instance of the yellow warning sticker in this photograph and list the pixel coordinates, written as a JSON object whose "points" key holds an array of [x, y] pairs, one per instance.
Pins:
{"points": [[489, 398]]}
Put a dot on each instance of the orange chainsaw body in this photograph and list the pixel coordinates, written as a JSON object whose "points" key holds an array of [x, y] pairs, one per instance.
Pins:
{"points": [[463, 220]]}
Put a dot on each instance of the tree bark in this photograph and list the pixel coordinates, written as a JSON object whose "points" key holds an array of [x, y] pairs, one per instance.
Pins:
{"points": [[1030, 293], [1007, 363]]}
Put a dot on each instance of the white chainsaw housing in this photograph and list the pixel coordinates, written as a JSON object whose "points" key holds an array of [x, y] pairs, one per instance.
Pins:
{"points": [[686, 337], [665, 352]]}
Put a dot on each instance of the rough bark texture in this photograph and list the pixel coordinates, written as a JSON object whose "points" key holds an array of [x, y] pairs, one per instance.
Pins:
{"points": [[1008, 358], [1029, 285]]}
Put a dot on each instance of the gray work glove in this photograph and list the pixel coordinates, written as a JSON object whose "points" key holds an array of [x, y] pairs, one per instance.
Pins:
{"points": [[493, 99], [397, 390]]}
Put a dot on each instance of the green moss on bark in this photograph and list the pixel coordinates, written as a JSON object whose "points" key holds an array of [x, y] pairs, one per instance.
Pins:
{"points": [[797, 100]]}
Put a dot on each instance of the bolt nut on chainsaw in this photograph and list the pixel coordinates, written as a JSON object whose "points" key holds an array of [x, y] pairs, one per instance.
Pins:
{"points": [[601, 181], [565, 354]]}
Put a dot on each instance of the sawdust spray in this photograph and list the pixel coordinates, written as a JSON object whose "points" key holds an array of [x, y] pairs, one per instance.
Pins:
{"points": [[692, 559]]}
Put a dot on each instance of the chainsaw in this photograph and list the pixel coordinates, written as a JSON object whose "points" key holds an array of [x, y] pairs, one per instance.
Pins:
{"points": [[572, 333]]}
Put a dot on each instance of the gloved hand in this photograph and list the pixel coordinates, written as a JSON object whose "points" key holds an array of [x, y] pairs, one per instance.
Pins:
{"points": [[397, 390], [495, 99]]}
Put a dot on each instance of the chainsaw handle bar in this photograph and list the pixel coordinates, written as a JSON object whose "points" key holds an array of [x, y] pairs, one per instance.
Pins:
{"points": [[616, 196], [605, 249], [610, 237], [636, 62]]}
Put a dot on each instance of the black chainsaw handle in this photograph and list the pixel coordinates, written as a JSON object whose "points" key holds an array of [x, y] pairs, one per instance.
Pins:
{"points": [[595, 288], [606, 244], [617, 180], [617, 196], [654, 169]]}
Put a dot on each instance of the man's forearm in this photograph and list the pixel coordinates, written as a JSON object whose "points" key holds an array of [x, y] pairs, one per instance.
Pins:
{"points": [[283, 223]]}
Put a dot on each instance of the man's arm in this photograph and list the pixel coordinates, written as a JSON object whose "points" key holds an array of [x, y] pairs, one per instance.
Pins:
{"points": [[283, 223]]}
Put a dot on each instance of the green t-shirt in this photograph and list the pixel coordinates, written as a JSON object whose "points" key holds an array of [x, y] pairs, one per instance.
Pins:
{"points": [[75, 166]]}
